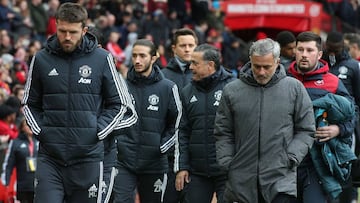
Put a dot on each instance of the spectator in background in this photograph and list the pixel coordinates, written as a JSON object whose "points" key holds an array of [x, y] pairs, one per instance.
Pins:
{"points": [[232, 56], [4, 82], [113, 47], [23, 26], [352, 43], [179, 7], [132, 37], [153, 5], [159, 30], [214, 38], [6, 45], [200, 12], [260, 152], [287, 43], [128, 25], [34, 46], [39, 18], [8, 128], [18, 91], [51, 25], [173, 22], [201, 31], [7, 15], [15, 103], [22, 154], [162, 59], [7, 121], [20, 67]]}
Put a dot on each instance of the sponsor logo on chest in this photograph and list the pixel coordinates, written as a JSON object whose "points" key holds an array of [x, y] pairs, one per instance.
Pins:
{"points": [[84, 72], [153, 102]]}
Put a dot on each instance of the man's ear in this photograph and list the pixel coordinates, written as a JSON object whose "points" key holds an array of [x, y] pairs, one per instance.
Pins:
{"points": [[85, 29], [320, 54], [212, 64], [153, 59]]}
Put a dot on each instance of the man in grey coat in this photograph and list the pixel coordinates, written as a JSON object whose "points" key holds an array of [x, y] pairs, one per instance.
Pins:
{"points": [[264, 127]]}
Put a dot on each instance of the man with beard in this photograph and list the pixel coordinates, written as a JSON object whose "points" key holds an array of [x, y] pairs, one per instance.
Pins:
{"points": [[73, 99], [313, 72], [142, 160]]}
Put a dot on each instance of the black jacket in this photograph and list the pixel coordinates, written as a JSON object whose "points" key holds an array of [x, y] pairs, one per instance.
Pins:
{"points": [[348, 70], [142, 148], [73, 100], [174, 73], [195, 148], [17, 157]]}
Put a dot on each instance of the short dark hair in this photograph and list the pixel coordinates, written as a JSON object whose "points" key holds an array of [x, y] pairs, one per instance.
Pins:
{"points": [[353, 38], [308, 37], [210, 53], [334, 37], [285, 37], [72, 13], [147, 43], [182, 32]]}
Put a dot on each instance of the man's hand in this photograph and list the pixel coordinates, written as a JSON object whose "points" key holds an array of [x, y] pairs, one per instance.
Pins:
{"points": [[181, 178], [326, 133]]}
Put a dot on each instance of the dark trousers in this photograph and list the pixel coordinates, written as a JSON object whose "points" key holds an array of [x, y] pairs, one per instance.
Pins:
{"points": [[25, 196], [280, 198], [76, 183], [151, 187], [109, 168], [171, 194], [308, 186], [202, 188]]}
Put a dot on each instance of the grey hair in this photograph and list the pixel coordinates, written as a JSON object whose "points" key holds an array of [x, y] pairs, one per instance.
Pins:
{"points": [[210, 54], [265, 46]]}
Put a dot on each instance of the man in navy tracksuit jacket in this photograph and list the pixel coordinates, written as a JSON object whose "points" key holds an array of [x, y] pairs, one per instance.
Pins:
{"points": [[195, 153], [347, 70], [73, 99], [142, 148], [183, 44]]}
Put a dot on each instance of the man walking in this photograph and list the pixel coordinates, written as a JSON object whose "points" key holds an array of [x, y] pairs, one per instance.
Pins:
{"points": [[142, 149], [73, 99], [263, 128], [195, 155]]}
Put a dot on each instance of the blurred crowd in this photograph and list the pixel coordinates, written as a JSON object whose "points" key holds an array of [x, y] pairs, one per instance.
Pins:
{"points": [[26, 24]]}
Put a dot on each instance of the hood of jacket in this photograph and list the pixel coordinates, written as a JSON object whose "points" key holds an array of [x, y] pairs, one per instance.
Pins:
{"points": [[88, 44], [136, 78], [246, 75], [321, 68]]}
